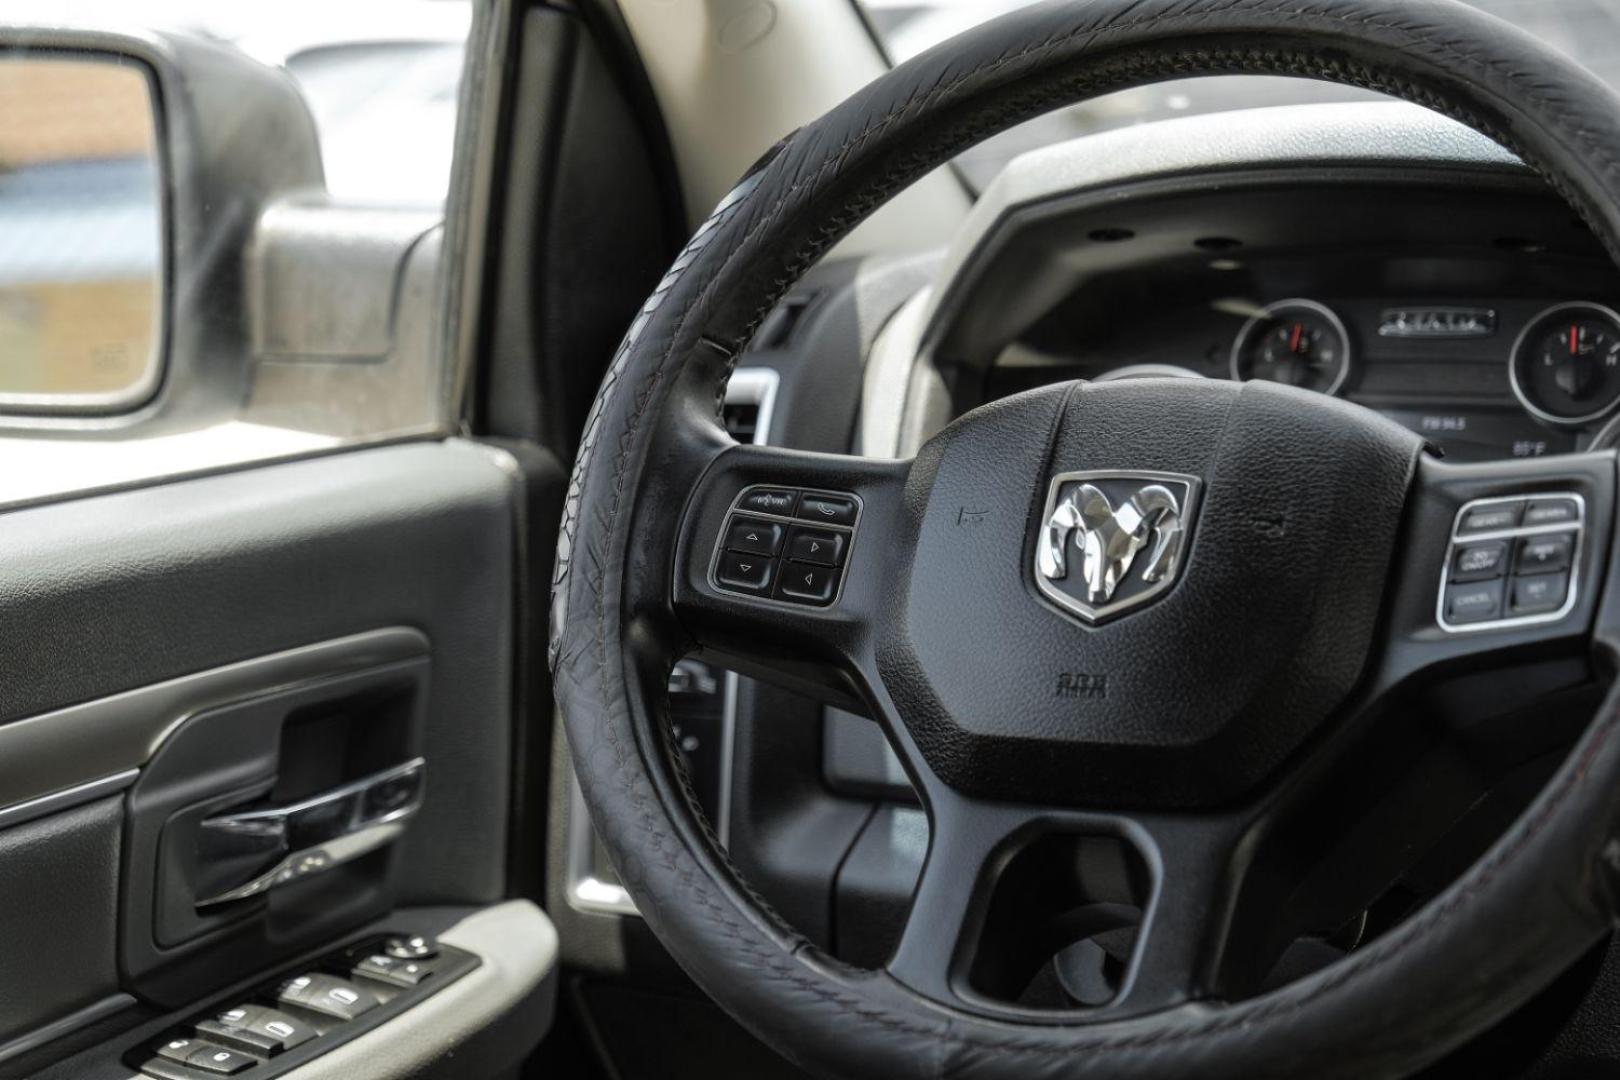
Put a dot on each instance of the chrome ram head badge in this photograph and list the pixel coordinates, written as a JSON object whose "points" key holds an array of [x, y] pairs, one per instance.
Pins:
{"points": [[1111, 541]]}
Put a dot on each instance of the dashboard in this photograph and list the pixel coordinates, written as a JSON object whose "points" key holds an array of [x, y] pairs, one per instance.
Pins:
{"points": [[1448, 289]]}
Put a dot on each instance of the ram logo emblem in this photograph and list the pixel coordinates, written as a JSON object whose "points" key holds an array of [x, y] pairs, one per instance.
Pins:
{"points": [[1110, 542]]}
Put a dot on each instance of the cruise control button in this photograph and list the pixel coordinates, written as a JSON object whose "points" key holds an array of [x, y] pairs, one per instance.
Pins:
{"points": [[1539, 594], [824, 546], [1474, 603], [1551, 512], [1545, 554], [1491, 518], [745, 573], [770, 501], [832, 509], [1480, 562], [811, 584], [754, 536], [219, 1060]]}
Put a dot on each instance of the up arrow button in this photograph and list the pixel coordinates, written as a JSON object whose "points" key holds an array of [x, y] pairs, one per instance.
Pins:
{"points": [[754, 536]]}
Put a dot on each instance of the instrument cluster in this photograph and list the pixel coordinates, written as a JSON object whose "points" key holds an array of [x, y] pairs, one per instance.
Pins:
{"points": [[1486, 380]]}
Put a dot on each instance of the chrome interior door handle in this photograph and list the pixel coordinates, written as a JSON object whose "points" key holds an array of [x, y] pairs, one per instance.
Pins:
{"points": [[247, 853]]}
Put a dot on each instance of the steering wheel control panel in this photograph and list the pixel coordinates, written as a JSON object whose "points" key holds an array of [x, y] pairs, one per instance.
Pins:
{"points": [[1512, 561], [786, 544], [302, 1015]]}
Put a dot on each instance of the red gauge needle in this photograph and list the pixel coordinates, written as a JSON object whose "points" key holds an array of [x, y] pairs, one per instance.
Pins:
{"points": [[1574, 339], [1299, 332]]}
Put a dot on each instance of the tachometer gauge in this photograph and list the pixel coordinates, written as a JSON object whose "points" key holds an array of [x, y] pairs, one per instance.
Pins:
{"points": [[1295, 342], [1565, 367]]}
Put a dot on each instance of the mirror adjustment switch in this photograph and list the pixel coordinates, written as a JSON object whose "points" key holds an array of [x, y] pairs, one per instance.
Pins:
{"points": [[327, 995], [393, 970], [411, 947], [256, 1029], [754, 536]]}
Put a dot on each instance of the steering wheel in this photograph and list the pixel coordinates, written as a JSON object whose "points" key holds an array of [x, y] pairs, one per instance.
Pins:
{"points": [[1139, 645]]}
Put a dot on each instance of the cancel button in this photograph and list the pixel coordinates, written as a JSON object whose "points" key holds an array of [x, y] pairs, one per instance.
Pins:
{"points": [[1475, 603]]}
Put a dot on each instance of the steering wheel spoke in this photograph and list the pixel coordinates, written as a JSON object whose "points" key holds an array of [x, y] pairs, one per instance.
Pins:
{"points": [[1039, 913], [784, 564], [1500, 561]]}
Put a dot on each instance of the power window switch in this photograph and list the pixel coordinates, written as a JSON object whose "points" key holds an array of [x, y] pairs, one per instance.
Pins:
{"points": [[256, 1029], [219, 1060], [178, 1049], [392, 970], [327, 995]]}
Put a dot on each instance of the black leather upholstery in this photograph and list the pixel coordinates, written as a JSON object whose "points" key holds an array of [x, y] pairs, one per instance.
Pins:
{"points": [[1527, 909]]}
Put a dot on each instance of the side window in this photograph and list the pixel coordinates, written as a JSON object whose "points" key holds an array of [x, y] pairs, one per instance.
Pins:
{"points": [[222, 235]]}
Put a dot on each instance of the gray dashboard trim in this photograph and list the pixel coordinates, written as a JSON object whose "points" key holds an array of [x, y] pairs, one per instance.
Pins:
{"points": [[1363, 133], [98, 744]]}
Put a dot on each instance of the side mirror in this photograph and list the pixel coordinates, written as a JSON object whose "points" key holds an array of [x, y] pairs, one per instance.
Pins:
{"points": [[133, 172], [171, 263], [81, 232]]}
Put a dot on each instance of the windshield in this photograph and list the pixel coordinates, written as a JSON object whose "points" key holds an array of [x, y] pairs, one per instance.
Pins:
{"points": [[1588, 30]]}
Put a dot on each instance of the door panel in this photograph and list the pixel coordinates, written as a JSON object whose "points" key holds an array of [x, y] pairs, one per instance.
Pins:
{"points": [[251, 637]]}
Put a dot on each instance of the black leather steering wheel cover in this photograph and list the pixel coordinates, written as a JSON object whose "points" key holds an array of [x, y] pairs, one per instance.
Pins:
{"points": [[1517, 918]]}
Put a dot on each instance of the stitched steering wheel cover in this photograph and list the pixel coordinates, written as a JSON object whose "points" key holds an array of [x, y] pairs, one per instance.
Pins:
{"points": [[1540, 897]]}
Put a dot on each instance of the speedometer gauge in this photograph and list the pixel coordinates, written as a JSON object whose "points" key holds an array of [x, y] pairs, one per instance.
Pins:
{"points": [[1296, 342], [1565, 367]]}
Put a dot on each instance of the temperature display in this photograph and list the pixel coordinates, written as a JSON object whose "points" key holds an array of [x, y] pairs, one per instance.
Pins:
{"points": [[1566, 363]]}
